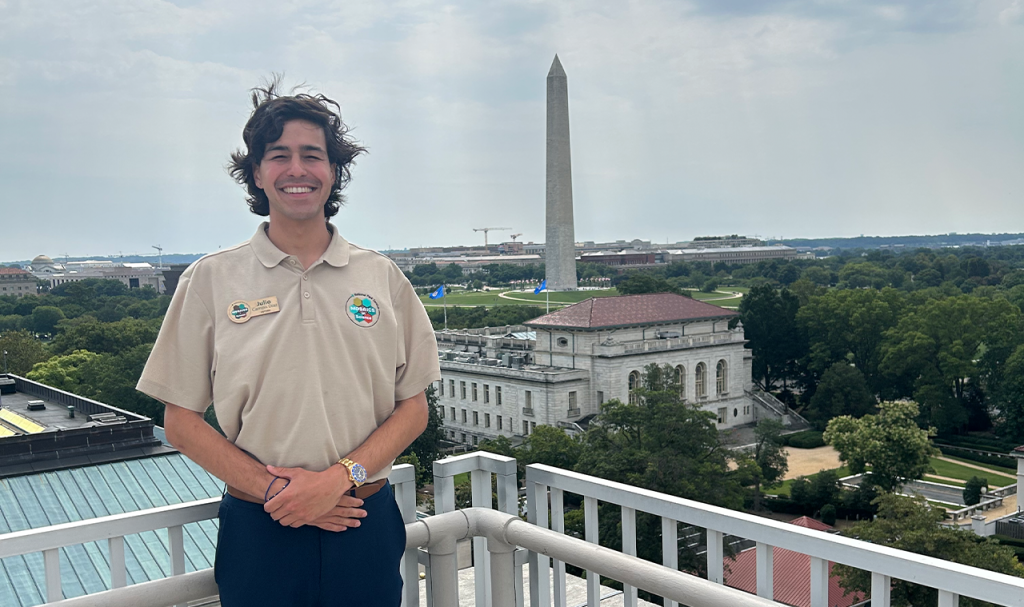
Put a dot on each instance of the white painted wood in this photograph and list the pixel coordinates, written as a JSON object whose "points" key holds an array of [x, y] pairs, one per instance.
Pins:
{"points": [[948, 599], [558, 525], [670, 549], [629, 594], [118, 571], [959, 579], [765, 570], [819, 582], [51, 566], [716, 557], [590, 534], [881, 590]]}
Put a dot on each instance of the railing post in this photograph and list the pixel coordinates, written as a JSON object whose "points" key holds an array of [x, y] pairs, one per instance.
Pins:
{"points": [[716, 557], [670, 549], [51, 566], [118, 571], [537, 514], [481, 487], [558, 524], [629, 594], [176, 546], [591, 535], [819, 582], [881, 588], [502, 558], [948, 599], [765, 571], [405, 496]]}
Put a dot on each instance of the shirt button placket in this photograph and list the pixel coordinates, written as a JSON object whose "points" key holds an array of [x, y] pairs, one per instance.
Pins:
{"points": [[308, 308]]}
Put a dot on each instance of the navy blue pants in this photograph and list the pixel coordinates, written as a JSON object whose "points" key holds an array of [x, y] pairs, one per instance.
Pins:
{"points": [[261, 562]]}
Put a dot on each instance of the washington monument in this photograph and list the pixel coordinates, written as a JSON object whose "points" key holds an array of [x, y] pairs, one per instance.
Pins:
{"points": [[560, 246]]}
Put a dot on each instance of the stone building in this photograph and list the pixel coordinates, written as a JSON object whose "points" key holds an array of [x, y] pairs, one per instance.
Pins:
{"points": [[559, 368], [17, 283]]}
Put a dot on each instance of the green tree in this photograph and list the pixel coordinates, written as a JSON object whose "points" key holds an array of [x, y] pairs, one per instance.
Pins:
{"points": [[23, 351], [947, 352], [427, 446], [841, 391], [890, 442], [769, 457], [769, 322], [908, 524], [551, 446], [45, 319], [1009, 399], [636, 283], [64, 372], [973, 490], [105, 337]]}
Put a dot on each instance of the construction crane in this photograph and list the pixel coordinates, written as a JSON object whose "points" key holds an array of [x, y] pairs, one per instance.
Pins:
{"points": [[486, 230], [514, 236], [160, 250]]}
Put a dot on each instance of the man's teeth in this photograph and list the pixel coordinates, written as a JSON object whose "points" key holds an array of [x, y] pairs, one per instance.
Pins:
{"points": [[298, 190]]}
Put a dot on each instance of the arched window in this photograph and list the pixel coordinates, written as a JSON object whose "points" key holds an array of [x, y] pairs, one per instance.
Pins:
{"points": [[634, 383], [681, 381], [700, 388], [722, 377]]}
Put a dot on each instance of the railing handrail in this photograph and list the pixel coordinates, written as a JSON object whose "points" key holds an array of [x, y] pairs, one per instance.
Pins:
{"points": [[929, 571]]}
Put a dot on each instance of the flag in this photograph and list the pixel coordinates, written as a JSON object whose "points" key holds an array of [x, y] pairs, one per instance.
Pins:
{"points": [[543, 286], [439, 293]]}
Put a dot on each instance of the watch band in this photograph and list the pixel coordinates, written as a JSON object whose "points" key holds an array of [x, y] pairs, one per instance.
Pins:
{"points": [[356, 472]]}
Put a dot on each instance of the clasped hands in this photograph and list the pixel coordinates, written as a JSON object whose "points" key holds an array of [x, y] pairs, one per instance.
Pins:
{"points": [[314, 498]]}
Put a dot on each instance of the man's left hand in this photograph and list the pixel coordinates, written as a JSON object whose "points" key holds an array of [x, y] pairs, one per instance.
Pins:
{"points": [[309, 495]]}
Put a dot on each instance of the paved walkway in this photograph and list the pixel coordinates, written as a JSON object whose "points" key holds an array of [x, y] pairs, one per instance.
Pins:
{"points": [[977, 467]]}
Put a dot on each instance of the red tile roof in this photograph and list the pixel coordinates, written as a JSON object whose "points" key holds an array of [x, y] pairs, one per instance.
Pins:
{"points": [[792, 577], [14, 271], [626, 310]]}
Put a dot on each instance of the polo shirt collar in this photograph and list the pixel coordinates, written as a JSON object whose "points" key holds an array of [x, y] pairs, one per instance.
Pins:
{"points": [[337, 252]]}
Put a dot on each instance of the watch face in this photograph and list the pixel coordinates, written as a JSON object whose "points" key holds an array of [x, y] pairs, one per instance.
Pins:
{"points": [[358, 473]]}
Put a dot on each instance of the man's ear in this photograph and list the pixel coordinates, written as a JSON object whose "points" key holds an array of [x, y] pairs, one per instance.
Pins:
{"points": [[256, 176]]}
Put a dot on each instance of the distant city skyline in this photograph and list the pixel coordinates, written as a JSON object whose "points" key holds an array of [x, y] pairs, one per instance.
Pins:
{"points": [[784, 119]]}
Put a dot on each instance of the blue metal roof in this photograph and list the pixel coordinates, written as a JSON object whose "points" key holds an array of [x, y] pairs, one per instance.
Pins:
{"points": [[51, 498]]}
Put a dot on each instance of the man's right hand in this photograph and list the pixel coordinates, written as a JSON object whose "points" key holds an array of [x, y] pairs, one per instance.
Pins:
{"points": [[346, 514]]}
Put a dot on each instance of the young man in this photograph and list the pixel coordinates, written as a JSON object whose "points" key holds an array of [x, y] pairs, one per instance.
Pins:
{"points": [[315, 354]]}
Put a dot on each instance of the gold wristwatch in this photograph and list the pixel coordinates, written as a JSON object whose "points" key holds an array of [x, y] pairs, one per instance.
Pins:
{"points": [[356, 472]]}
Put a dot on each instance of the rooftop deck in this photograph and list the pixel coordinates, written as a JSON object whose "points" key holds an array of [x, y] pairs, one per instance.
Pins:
{"points": [[522, 562]]}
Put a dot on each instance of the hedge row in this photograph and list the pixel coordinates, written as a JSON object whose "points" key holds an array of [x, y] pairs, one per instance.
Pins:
{"points": [[806, 439], [981, 443], [981, 458]]}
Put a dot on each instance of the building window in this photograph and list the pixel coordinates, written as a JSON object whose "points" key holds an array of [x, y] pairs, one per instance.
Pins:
{"points": [[474, 392], [526, 428], [721, 377], [634, 384], [533, 427], [563, 342], [462, 437], [462, 387], [735, 412], [529, 399], [572, 400], [600, 397], [476, 418], [475, 439], [451, 387], [497, 395], [500, 425], [723, 415], [487, 394], [440, 387], [464, 418], [700, 388], [681, 381], [453, 413], [487, 420]]}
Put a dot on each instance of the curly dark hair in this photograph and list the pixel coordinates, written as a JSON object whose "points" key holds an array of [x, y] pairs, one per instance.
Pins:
{"points": [[266, 124]]}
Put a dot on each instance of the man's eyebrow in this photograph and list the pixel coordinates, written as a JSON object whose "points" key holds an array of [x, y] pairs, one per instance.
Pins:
{"points": [[304, 148]]}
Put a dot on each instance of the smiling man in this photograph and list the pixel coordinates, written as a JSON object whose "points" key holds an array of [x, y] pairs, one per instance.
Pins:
{"points": [[315, 354]]}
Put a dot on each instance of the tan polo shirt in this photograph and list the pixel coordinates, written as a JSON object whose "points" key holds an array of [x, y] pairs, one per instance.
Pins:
{"points": [[308, 383]]}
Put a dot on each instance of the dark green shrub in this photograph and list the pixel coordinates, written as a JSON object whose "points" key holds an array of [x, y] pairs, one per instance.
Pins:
{"points": [[828, 514], [807, 439], [973, 490]]}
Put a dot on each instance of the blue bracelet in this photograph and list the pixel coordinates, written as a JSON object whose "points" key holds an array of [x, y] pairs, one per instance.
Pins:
{"points": [[266, 495]]}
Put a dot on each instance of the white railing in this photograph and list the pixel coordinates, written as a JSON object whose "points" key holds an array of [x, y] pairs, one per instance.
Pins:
{"points": [[503, 544], [675, 343], [546, 484]]}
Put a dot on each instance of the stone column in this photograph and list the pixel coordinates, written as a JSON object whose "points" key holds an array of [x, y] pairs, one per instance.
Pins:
{"points": [[560, 245]]}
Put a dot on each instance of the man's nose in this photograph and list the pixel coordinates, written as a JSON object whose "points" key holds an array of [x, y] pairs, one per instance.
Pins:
{"points": [[296, 168]]}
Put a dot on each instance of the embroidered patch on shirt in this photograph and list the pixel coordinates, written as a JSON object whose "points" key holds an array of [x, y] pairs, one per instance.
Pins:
{"points": [[362, 310], [241, 311]]}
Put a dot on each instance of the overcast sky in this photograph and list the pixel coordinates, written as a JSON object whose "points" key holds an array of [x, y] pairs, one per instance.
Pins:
{"points": [[775, 118]]}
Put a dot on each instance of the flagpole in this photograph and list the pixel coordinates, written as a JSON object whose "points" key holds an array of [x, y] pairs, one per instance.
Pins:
{"points": [[444, 300], [547, 301]]}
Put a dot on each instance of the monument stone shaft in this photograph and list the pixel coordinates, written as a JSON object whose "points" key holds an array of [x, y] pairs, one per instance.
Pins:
{"points": [[560, 244]]}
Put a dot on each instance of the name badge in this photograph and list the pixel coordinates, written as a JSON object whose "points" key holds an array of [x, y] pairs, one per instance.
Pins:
{"points": [[241, 311]]}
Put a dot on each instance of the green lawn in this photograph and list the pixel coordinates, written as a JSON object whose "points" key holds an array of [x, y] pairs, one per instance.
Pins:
{"points": [[943, 481], [462, 479], [469, 298], [1009, 468], [563, 297], [559, 299], [951, 470]]}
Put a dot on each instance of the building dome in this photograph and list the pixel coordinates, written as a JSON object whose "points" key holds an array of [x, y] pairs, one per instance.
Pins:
{"points": [[41, 261]]}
